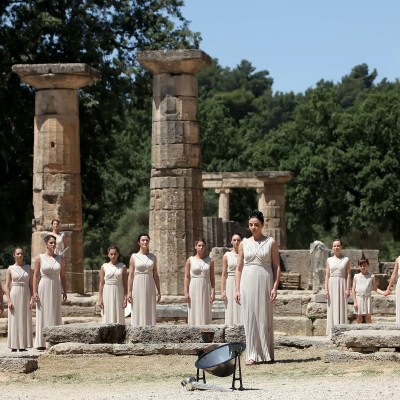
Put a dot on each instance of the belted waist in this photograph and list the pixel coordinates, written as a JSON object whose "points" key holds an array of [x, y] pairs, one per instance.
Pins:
{"points": [[110, 283], [231, 273], [50, 277], [19, 283], [198, 276], [143, 273], [363, 295]]}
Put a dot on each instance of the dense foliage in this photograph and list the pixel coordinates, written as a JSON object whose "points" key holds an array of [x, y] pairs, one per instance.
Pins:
{"points": [[339, 139]]}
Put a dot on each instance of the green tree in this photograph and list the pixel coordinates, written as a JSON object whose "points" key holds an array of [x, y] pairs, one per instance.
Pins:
{"points": [[106, 35]]}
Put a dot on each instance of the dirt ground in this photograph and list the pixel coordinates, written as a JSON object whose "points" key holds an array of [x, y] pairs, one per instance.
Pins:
{"points": [[297, 374]]}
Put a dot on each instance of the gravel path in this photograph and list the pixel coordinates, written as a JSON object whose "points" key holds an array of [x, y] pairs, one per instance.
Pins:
{"points": [[297, 374]]}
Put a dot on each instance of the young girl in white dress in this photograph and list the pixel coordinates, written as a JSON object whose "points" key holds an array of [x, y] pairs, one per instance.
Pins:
{"points": [[363, 285]]}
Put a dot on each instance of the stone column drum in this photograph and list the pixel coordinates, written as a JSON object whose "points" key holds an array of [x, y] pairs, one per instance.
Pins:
{"points": [[223, 203], [56, 157], [271, 203], [176, 199]]}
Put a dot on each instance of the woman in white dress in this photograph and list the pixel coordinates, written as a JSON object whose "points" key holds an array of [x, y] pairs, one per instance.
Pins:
{"points": [[199, 285], [113, 289], [19, 301], [49, 289], [337, 287], [142, 284], [60, 237], [395, 277], [257, 279], [233, 311]]}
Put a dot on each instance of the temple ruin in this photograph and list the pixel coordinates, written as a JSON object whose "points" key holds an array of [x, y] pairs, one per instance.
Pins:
{"points": [[56, 158]]}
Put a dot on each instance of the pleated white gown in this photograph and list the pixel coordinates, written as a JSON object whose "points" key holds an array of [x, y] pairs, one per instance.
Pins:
{"points": [[48, 308], [20, 319], [233, 310], [255, 287], [199, 307], [143, 291], [337, 302], [113, 294]]}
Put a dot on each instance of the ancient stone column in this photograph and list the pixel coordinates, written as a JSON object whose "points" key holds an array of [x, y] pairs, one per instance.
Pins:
{"points": [[56, 157], [271, 203], [176, 199], [223, 204]]}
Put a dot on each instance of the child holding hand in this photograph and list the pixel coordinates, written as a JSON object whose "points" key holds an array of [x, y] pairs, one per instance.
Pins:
{"points": [[363, 285]]}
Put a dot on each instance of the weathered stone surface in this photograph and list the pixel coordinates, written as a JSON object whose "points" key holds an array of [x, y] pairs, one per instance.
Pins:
{"points": [[176, 155], [301, 342], [293, 325], [138, 349], [316, 310], [173, 334], [62, 76], [356, 254], [188, 61], [18, 364], [182, 85], [85, 333], [345, 356], [319, 327], [383, 305], [235, 334], [174, 108], [296, 261], [372, 338], [294, 305]]}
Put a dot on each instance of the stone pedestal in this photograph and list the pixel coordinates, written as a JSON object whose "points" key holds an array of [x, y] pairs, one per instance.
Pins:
{"points": [[56, 157], [176, 191]]}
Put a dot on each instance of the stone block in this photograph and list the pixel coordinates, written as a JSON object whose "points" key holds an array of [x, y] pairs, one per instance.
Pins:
{"points": [[56, 101], [175, 108], [382, 281], [85, 333], [293, 305], [296, 261], [175, 155], [369, 340], [18, 364], [174, 85], [316, 310], [319, 327], [383, 305], [173, 334], [300, 326], [234, 334], [175, 132], [57, 145]]}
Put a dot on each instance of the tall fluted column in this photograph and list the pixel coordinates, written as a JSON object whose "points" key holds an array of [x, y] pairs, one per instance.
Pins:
{"points": [[56, 157], [176, 191]]}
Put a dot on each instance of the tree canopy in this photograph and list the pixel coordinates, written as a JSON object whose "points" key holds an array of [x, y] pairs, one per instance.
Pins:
{"points": [[340, 139]]}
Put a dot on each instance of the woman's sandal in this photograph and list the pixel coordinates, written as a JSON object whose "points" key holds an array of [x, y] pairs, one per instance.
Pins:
{"points": [[251, 362]]}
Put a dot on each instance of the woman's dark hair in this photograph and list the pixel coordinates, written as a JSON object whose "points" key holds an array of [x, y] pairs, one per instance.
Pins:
{"points": [[200, 240], [17, 248], [112, 247], [142, 234], [338, 240], [236, 234], [48, 237], [55, 220], [257, 214]]}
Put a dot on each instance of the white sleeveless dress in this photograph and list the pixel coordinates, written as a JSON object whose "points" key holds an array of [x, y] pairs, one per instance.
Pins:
{"points": [[337, 302], [255, 286], [20, 319], [363, 293], [233, 311], [113, 294], [143, 291], [48, 308], [199, 307]]}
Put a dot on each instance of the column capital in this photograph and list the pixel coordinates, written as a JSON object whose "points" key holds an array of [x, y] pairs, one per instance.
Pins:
{"points": [[56, 76], [222, 190], [184, 61]]}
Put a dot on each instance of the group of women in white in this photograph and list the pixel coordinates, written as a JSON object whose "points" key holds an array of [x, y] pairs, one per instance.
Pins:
{"points": [[249, 283]]}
